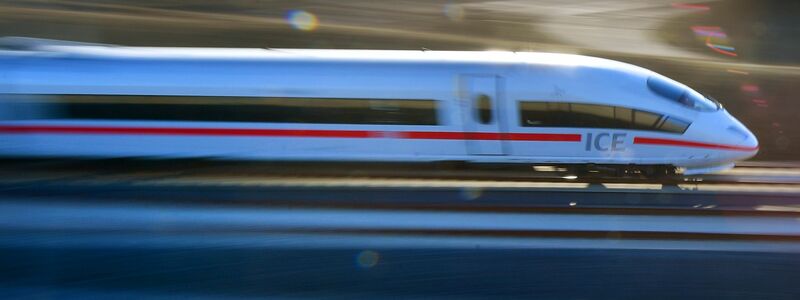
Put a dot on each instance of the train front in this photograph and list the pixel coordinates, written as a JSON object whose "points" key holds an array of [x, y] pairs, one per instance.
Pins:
{"points": [[719, 138]]}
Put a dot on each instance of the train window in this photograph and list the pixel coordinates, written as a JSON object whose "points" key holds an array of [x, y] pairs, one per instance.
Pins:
{"points": [[534, 114], [674, 125], [561, 114], [644, 120], [558, 106], [246, 109], [623, 115], [681, 94], [483, 105], [593, 116]]}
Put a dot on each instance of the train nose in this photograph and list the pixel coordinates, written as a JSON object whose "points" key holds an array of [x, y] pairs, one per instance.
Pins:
{"points": [[747, 141], [751, 141]]}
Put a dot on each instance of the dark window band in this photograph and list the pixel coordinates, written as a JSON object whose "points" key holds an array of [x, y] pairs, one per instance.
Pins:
{"points": [[561, 114], [236, 109]]}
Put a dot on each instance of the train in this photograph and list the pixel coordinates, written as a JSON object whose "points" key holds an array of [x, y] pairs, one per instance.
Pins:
{"points": [[70, 99]]}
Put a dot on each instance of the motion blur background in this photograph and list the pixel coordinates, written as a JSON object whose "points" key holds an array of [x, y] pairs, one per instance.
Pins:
{"points": [[119, 229]]}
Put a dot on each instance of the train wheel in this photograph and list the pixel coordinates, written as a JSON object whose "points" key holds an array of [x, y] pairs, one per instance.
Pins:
{"points": [[661, 172], [574, 171], [649, 171], [620, 171], [670, 171]]}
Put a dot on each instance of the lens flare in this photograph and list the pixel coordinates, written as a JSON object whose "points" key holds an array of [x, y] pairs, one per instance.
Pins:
{"points": [[302, 20], [471, 193], [367, 259], [453, 12]]}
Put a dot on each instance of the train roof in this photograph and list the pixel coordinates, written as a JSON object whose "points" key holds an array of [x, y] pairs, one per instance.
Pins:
{"points": [[56, 48]]}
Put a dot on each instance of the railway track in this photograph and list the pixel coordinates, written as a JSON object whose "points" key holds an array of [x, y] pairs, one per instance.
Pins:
{"points": [[183, 222], [248, 172], [752, 189]]}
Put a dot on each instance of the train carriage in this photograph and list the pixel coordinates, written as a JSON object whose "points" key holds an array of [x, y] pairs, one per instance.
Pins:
{"points": [[77, 100]]}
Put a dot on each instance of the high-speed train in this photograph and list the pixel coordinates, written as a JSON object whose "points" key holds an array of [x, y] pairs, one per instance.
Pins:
{"points": [[103, 101]]}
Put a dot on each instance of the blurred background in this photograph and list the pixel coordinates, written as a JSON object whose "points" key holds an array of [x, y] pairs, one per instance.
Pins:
{"points": [[192, 228]]}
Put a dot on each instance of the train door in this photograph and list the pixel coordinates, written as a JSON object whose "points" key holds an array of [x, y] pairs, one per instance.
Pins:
{"points": [[480, 98]]}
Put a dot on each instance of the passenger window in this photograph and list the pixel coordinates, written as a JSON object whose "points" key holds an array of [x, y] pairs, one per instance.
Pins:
{"points": [[483, 103], [564, 114], [534, 114], [558, 107], [623, 115], [247, 109], [674, 125], [644, 120], [594, 116]]}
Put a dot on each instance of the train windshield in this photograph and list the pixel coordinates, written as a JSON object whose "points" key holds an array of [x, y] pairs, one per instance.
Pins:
{"points": [[677, 92]]}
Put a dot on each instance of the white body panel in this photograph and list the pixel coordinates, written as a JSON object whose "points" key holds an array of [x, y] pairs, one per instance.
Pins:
{"points": [[452, 79]]}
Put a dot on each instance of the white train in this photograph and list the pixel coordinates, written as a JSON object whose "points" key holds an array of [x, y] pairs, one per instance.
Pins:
{"points": [[78, 100]]}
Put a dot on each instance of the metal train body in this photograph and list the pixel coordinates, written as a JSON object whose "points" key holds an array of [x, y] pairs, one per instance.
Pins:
{"points": [[485, 107]]}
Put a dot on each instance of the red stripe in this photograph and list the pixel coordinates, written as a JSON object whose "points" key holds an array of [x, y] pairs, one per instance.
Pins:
{"points": [[434, 135], [670, 142], [553, 137]]}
